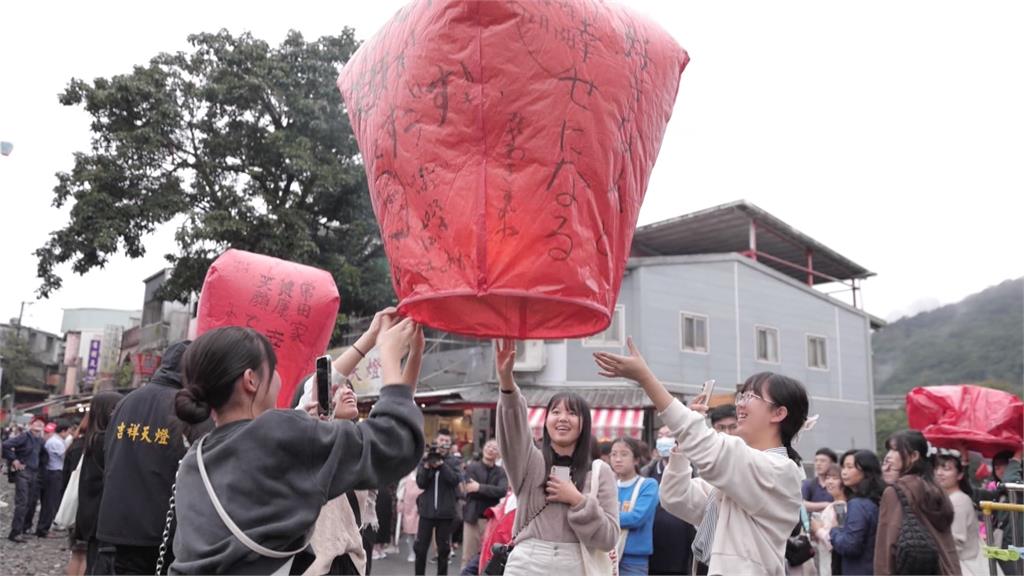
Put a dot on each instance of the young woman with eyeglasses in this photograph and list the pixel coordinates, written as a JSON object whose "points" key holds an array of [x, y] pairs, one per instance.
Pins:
{"points": [[747, 499]]}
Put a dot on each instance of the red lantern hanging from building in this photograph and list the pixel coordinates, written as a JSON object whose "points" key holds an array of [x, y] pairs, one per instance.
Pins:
{"points": [[508, 147]]}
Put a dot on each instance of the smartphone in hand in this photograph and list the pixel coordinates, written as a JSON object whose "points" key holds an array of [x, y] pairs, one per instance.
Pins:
{"points": [[561, 472], [708, 390], [323, 384]]}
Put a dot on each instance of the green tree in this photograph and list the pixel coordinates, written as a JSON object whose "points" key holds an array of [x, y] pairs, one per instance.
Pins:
{"points": [[248, 144], [17, 362]]}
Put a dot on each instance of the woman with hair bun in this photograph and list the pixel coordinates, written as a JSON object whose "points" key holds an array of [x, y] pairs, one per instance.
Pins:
{"points": [[249, 493]]}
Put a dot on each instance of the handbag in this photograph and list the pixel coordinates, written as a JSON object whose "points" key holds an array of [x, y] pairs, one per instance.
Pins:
{"points": [[799, 548], [68, 509], [598, 562]]}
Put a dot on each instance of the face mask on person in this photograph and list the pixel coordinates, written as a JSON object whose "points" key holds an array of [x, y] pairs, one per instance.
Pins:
{"points": [[665, 446]]}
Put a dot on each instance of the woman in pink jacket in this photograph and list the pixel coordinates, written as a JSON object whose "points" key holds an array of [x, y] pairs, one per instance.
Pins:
{"points": [[408, 513]]}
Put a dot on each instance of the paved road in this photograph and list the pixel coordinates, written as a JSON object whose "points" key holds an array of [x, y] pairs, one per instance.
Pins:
{"points": [[36, 557]]}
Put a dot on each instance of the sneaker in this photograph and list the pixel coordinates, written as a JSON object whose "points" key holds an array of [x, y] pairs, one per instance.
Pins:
{"points": [[410, 558], [17, 539], [433, 560]]}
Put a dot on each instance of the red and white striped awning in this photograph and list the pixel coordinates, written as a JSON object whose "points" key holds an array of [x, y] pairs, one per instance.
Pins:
{"points": [[605, 423]]}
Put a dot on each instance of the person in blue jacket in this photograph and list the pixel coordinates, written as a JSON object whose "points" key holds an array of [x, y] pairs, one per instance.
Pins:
{"points": [[638, 502], [853, 539]]}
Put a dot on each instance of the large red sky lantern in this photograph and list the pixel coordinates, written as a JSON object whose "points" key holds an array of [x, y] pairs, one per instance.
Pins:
{"points": [[982, 419], [508, 147], [293, 305]]}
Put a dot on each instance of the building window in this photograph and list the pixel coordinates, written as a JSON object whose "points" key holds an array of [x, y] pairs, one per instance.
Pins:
{"points": [[693, 332], [613, 335], [817, 355], [767, 344]]}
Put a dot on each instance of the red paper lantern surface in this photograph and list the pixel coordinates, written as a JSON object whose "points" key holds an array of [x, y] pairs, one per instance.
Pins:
{"points": [[508, 147], [982, 419], [293, 305]]}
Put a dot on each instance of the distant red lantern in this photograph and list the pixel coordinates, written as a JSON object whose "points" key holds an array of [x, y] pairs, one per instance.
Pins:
{"points": [[293, 305], [981, 419], [508, 147]]}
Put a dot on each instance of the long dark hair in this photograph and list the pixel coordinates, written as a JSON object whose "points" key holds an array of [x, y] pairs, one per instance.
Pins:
{"points": [[101, 408], [213, 363], [787, 392], [907, 442], [964, 483], [872, 486], [581, 454]]}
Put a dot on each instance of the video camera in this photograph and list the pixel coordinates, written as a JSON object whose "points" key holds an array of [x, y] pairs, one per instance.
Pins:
{"points": [[434, 455]]}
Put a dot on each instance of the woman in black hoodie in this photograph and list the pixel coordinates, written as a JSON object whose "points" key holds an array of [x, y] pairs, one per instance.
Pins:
{"points": [[90, 480]]}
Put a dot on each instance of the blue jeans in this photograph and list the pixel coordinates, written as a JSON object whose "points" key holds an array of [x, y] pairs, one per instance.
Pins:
{"points": [[633, 565]]}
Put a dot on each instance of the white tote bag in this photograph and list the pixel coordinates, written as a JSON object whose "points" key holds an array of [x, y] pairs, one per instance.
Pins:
{"points": [[69, 503], [598, 562]]}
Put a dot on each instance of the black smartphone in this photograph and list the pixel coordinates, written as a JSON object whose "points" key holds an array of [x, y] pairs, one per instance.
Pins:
{"points": [[323, 384]]}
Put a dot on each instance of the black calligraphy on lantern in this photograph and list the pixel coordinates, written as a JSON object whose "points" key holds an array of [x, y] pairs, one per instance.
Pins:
{"points": [[261, 297], [276, 338], [298, 332], [304, 307], [284, 298]]}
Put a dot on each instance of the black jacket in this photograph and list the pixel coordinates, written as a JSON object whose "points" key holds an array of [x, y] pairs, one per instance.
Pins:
{"points": [[143, 446], [25, 448], [493, 484], [440, 489]]}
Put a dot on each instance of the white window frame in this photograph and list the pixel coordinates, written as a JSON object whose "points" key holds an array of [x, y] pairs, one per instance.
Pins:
{"points": [[824, 339], [683, 315], [778, 344], [593, 342]]}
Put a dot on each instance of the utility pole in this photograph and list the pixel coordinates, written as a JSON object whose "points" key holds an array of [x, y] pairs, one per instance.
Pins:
{"points": [[20, 315]]}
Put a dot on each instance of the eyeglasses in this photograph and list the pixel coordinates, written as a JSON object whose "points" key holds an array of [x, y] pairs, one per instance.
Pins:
{"points": [[744, 398]]}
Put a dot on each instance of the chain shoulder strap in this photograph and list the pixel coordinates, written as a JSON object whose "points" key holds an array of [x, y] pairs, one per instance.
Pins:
{"points": [[167, 526]]}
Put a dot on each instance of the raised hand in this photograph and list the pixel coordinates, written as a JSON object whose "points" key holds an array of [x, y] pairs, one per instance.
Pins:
{"points": [[505, 361], [632, 367], [373, 332], [394, 342], [411, 372]]}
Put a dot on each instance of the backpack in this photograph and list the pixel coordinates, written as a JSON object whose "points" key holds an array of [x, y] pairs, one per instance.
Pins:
{"points": [[915, 550]]}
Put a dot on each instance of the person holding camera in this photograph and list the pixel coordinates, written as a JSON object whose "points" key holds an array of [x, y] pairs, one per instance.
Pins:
{"points": [[438, 476], [486, 485]]}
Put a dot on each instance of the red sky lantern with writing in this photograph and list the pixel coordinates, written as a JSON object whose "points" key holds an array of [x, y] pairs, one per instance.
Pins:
{"points": [[293, 305], [508, 147]]}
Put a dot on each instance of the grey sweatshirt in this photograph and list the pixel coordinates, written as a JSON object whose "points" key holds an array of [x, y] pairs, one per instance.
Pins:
{"points": [[274, 474]]}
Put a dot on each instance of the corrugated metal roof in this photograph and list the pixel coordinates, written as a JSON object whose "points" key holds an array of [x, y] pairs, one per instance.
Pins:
{"points": [[726, 228]]}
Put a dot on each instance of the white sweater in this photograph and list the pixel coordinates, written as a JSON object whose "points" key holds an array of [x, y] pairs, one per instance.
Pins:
{"points": [[760, 494]]}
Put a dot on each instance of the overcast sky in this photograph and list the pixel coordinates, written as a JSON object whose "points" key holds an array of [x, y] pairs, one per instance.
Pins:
{"points": [[892, 132]]}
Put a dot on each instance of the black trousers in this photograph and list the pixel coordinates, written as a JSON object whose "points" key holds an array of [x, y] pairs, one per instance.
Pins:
{"points": [[50, 495], [23, 482], [137, 559], [441, 530], [34, 491]]}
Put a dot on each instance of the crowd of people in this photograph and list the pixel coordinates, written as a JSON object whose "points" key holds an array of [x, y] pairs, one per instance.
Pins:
{"points": [[197, 472]]}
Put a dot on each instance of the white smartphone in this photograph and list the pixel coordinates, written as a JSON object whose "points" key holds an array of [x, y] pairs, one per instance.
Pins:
{"points": [[708, 390], [561, 472]]}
